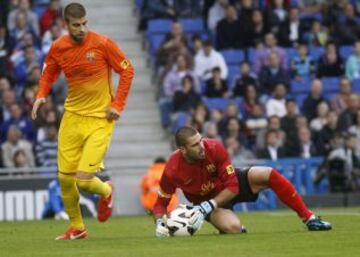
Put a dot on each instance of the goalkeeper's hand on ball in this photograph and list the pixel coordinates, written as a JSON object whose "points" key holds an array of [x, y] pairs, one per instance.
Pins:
{"points": [[200, 212], [161, 228]]}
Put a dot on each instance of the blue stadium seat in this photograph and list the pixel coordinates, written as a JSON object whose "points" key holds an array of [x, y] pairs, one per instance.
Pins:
{"points": [[299, 98], [233, 57], [193, 26], [159, 26], [330, 84], [356, 85], [316, 52], [306, 17], [302, 86], [250, 55], [329, 95], [216, 103], [234, 70], [291, 52], [346, 51], [155, 42], [139, 3]]}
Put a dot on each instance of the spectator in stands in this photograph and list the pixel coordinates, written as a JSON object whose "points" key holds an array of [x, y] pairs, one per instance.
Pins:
{"points": [[306, 148], [320, 120], [196, 44], [355, 129], [310, 6], [216, 13], [175, 43], [20, 159], [272, 150], [347, 29], [187, 98], [216, 86], [188, 8], [20, 121], [31, 18], [324, 137], [272, 74], [330, 63], [216, 117], [302, 64], [251, 99], [340, 101], [245, 78], [27, 100], [21, 27], [288, 122], [52, 119], [4, 51], [155, 9], [348, 117], [4, 86], [14, 143], [172, 80], [54, 32], [237, 151], [46, 149], [232, 111], [273, 123], [253, 34], [353, 63], [262, 54], [290, 31], [318, 36], [199, 117], [50, 14], [228, 34], [211, 130], [277, 104], [256, 124], [277, 16], [8, 98], [234, 128], [207, 59]]}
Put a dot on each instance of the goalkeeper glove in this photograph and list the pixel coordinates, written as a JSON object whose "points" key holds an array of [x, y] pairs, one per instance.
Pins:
{"points": [[161, 228], [200, 212]]}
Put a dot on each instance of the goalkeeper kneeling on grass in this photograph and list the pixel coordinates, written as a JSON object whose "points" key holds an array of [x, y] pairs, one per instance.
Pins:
{"points": [[202, 169]]}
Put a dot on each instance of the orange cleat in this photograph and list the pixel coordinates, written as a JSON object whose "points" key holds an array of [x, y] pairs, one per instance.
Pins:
{"points": [[106, 205], [72, 234]]}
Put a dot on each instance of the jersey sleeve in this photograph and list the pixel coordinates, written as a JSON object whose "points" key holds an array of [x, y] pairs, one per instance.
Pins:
{"points": [[50, 73], [166, 190], [226, 169], [118, 61]]}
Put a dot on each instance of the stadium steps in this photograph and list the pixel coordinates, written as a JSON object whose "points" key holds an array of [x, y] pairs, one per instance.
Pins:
{"points": [[138, 138]]}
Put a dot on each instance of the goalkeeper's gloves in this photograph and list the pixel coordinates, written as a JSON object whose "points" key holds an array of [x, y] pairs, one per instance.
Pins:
{"points": [[161, 228], [200, 212]]}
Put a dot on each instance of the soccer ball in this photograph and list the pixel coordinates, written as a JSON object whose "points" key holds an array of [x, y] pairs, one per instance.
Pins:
{"points": [[178, 222]]}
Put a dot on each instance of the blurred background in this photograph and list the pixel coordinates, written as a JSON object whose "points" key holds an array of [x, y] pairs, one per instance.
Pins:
{"points": [[277, 81]]}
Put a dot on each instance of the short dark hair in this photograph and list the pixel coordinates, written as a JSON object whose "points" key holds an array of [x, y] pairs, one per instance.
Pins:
{"points": [[74, 10], [182, 134]]}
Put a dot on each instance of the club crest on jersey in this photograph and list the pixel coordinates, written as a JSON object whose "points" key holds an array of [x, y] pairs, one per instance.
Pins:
{"points": [[90, 56], [206, 188], [124, 64], [211, 168], [230, 169]]}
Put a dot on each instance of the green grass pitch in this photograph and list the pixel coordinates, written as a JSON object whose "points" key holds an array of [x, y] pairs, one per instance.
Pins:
{"points": [[271, 234]]}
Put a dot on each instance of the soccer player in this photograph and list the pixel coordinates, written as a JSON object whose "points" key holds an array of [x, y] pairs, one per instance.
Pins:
{"points": [[91, 109], [202, 169]]}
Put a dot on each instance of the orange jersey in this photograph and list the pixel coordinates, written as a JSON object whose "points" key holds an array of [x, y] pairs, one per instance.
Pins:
{"points": [[87, 67]]}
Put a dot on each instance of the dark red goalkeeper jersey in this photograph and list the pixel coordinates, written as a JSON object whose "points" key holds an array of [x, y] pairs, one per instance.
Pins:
{"points": [[199, 181]]}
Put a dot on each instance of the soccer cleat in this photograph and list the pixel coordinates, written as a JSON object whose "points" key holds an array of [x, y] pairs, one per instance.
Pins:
{"points": [[72, 234], [106, 205], [316, 224]]}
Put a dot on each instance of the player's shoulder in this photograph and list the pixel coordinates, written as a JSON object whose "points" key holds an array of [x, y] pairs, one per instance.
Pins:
{"points": [[173, 161], [99, 38], [212, 143], [62, 41]]}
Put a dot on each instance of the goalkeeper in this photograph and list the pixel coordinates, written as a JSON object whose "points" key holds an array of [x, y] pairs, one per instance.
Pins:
{"points": [[91, 109], [201, 168]]}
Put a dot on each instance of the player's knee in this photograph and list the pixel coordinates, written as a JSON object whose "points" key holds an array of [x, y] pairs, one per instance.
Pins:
{"points": [[232, 227], [84, 175]]}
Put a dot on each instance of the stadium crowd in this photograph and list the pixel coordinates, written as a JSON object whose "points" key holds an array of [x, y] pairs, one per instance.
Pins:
{"points": [[270, 78], [27, 30]]}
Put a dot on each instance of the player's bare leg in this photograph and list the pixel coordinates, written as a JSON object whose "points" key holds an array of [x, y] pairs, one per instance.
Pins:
{"points": [[261, 178], [226, 221], [92, 184]]}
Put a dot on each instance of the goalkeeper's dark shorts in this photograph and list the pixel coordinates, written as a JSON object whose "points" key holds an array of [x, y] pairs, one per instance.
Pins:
{"points": [[245, 193]]}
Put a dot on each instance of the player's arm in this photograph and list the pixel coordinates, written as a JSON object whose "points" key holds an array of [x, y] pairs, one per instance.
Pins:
{"points": [[118, 61], [50, 74], [166, 190]]}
